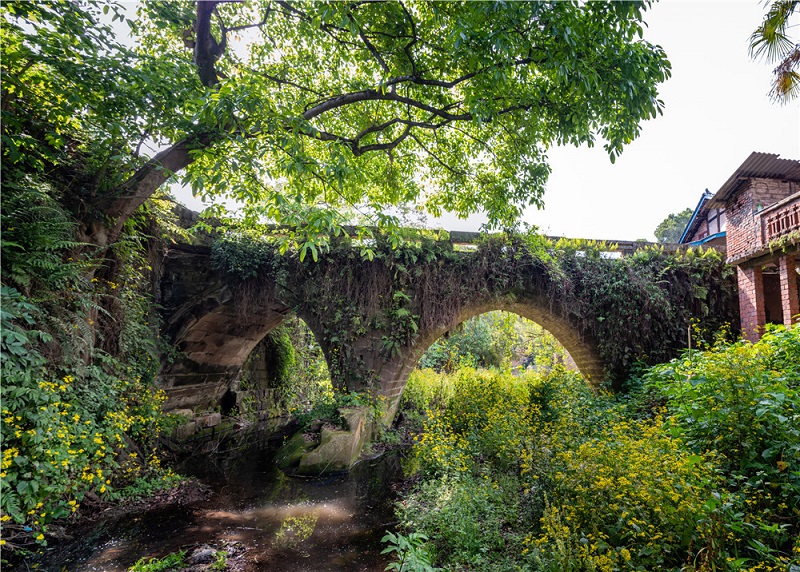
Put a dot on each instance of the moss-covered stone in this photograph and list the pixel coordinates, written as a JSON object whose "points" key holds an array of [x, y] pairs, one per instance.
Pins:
{"points": [[337, 450], [289, 456]]}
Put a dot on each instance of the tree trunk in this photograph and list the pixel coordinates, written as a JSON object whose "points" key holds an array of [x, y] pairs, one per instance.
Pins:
{"points": [[120, 205]]}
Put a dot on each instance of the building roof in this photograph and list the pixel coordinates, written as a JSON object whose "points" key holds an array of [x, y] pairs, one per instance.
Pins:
{"points": [[709, 238], [697, 216], [757, 166]]}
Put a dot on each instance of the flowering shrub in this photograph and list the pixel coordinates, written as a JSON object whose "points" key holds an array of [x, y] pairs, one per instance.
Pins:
{"points": [[78, 414], [75, 420], [65, 438], [742, 401], [537, 472], [632, 494], [426, 389]]}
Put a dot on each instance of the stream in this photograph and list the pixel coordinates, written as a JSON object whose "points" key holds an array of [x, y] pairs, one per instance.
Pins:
{"points": [[285, 523]]}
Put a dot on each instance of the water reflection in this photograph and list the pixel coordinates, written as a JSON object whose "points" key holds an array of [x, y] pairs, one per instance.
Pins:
{"points": [[286, 524]]}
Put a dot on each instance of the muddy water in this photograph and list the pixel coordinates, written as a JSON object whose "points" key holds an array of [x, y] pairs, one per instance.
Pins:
{"points": [[285, 523]]}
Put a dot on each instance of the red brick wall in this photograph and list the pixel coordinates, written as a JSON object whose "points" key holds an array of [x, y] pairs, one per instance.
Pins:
{"points": [[751, 302], [769, 191], [790, 298], [744, 233]]}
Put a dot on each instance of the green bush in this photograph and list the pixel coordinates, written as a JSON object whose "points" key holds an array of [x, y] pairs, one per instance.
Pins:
{"points": [[741, 401], [64, 436], [410, 552], [494, 339], [79, 414], [537, 472], [465, 516], [427, 390], [172, 561]]}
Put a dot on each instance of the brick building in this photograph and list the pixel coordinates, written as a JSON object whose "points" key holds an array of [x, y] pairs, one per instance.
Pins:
{"points": [[757, 210]]}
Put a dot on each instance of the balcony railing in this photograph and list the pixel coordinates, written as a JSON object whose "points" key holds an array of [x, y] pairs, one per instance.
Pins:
{"points": [[781, 218]]}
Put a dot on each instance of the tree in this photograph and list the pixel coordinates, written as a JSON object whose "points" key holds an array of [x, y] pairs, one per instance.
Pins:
{"points": [[317, 107], [671, 228], [772, 41]]}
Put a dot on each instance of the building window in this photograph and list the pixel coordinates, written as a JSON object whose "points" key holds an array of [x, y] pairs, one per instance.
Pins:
{"points": [[716, 221]]}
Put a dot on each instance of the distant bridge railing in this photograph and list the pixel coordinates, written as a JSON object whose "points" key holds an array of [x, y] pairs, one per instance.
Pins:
{"points": [[624, 247], [467, 239]]}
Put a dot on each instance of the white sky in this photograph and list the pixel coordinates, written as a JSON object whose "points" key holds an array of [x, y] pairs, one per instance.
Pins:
{"points": [[717, 111]]}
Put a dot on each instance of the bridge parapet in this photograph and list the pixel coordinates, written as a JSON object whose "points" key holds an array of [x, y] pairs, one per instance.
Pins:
{"points": [[188, 218]]}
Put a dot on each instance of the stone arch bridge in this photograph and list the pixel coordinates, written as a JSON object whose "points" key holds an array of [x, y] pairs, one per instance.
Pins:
{"points": [[375, 318]]}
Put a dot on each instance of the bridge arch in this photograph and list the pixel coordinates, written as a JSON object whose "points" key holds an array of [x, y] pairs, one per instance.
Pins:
{"points": [[215, 341], [212, 327], [394, 376]]}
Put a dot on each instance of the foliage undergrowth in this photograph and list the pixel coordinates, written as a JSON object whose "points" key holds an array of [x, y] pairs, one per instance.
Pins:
{"points": [[539, 472], [494, 339], [172, 561], [270, 374], [80, 416]]}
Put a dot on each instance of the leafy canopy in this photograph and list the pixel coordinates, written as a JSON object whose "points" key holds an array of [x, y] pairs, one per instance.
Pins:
{"points": [[671, 228], [306, 109]]}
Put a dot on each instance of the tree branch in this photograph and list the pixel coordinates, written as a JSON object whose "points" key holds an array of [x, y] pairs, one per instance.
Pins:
{"points": [[415, 79], [280, 81], [206, 49], [358, 151], [438, 159], [414, 38], [373, 95], [146, 180], [372, 49], [327, 28]]}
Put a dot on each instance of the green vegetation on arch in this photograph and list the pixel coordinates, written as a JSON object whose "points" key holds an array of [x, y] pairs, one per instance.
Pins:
{"points": [[636, 308]]}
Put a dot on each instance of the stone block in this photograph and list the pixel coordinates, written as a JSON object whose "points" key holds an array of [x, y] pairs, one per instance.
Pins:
{"points": [[187, 413], [208, 420], [339, 450], [289, 456], [185, 431]]}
